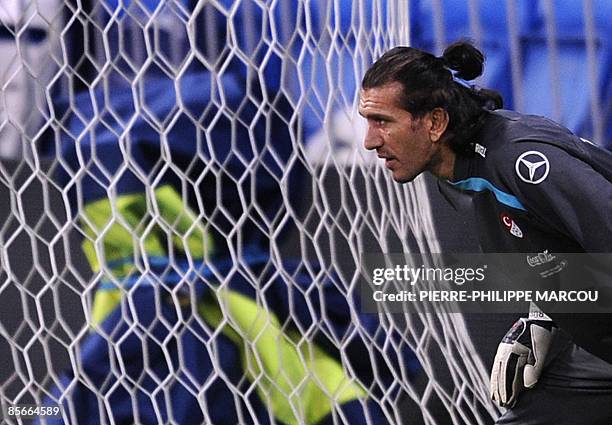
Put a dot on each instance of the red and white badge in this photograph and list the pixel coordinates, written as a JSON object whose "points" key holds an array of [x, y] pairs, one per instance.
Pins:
{"points": [[511, 225]]}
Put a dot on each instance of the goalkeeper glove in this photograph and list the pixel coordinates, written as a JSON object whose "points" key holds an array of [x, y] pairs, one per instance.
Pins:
{"points": [[520, 359]]}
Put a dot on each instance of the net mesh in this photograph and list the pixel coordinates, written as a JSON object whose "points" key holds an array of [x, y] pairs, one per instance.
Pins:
{"points": [[188, 219]]}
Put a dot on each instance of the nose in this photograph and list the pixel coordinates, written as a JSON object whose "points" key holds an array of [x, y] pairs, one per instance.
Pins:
{"points": [[372, 139]]}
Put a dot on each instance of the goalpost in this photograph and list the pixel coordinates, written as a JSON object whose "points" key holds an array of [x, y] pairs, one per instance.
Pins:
{"points": [[161, 145]]}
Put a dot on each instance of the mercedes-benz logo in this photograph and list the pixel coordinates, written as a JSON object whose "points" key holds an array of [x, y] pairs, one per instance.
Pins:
{"points": [[532, 167]]}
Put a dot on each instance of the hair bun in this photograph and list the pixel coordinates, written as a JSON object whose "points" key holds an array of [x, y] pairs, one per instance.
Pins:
{"points": [[464, 58]]}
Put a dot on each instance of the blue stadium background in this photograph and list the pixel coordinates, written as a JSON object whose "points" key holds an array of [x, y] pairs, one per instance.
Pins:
{"points": [[546, 57]]}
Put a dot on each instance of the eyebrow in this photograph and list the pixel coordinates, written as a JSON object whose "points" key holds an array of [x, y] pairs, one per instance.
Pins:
{"points": [[376, 116]]}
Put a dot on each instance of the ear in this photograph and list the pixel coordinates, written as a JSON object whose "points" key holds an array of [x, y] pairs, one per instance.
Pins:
{"points": [[438, 123]]}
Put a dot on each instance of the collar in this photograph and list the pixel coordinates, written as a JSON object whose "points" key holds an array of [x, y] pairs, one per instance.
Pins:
{"points": [[462, 168], [465, 164]]}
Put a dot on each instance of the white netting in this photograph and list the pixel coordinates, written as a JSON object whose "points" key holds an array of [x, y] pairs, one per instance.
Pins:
{"points": [[167, 141]]}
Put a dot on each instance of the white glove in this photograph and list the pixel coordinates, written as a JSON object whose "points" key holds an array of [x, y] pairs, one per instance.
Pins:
{"points": [[520, 359]]}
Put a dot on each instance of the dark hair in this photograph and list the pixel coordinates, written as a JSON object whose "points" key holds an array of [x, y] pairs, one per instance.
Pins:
{"points": [[430, 82]]}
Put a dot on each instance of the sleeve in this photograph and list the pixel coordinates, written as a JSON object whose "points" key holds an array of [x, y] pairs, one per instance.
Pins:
{"points": [[564, 192], [569, 195]]}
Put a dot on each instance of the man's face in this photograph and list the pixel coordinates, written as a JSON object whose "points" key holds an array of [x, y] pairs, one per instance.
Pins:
{"points": [[400, 139]]}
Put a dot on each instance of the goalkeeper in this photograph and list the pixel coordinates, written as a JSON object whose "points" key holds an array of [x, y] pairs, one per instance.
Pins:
{"points": [[423, 115]]}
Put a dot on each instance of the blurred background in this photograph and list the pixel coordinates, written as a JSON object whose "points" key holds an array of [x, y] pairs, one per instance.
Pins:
{"points": [[546, 57]]}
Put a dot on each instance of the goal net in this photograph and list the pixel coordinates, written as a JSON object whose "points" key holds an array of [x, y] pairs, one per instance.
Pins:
{"points": [[189, 214]]}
